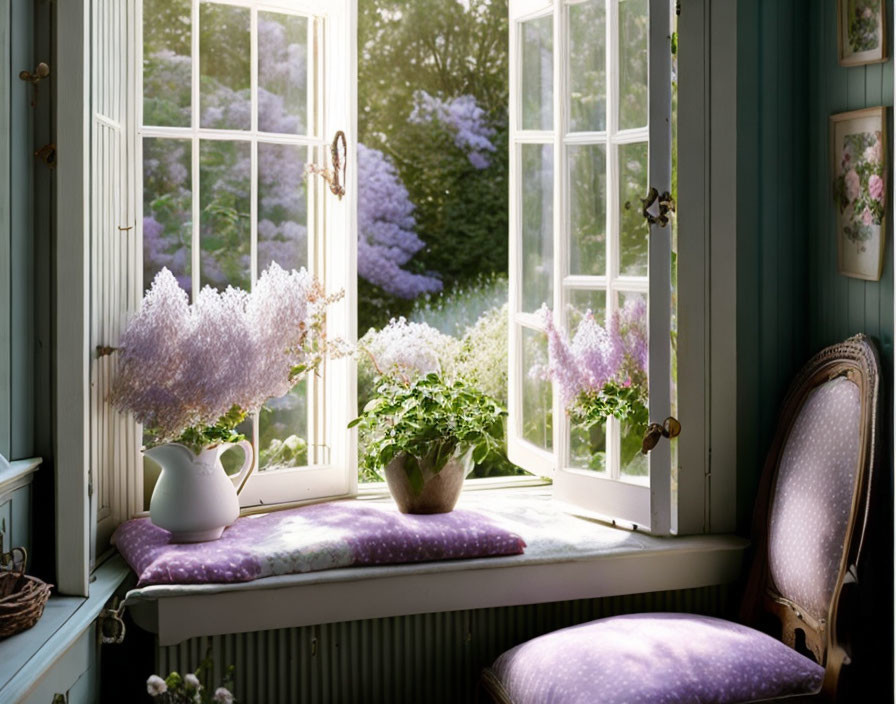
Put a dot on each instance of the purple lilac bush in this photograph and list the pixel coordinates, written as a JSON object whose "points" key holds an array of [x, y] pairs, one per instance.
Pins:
{"points": [[461, 116], [600, 371], [387, 240], [386, 237]]}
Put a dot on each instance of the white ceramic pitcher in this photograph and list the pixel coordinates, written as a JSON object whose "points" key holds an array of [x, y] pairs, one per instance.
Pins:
{"points": [[194, 499]]}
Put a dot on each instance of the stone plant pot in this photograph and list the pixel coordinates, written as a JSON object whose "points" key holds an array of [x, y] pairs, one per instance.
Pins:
{"points": [[440, 491]]}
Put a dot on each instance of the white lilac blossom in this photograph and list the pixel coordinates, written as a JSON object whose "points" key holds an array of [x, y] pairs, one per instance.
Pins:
{"points": [[155, 686], [183, 366], [386, 237], [463, 118], [223, 696], [409, 350], [192, 681], [483, 353]]}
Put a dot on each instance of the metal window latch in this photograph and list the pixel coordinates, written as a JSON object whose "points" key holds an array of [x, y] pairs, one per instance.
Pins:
{"points": [[47, 154], [110, 625], [670, 428], [334, 179], [657, 208], [40, 72]]}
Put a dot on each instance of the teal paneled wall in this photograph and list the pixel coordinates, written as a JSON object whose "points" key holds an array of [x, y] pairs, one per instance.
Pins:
{"points": [[791, 300], [16, 233], [772, 269], [839, 306]]}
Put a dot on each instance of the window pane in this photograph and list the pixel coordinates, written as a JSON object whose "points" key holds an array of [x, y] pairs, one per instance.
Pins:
{"points": [[581, 301], [633, 330], [282, 206], [633, 37], [588, 209], [282, 73], [283, 430], [536, 401], [537, 224], [224, 67], [587, 448], [167, 69], [587, 67], [224, 187], [633, 229], [537, 41], [167, 209]]}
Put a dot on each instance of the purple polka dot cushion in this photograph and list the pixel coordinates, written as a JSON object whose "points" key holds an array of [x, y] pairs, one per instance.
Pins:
{"points": [[311, 538], [814, 492], [654, 658]]}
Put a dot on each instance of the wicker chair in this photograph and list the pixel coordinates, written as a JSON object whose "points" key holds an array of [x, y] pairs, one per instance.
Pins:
{"points": [[809, 528]]}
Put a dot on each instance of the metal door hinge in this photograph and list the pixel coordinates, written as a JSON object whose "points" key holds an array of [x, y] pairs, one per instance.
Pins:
{"points": [[47, 154], [658, 208]]}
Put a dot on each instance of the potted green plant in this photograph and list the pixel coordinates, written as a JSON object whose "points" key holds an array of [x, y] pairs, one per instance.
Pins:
{"points": [[425, 432]]}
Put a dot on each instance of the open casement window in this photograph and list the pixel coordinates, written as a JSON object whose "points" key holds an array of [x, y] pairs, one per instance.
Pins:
{"points": [[202, 128], [590, 109]]}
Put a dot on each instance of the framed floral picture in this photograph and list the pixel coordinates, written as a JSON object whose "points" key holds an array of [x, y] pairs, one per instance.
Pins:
{"points": [[861, 32], [859, 166]]}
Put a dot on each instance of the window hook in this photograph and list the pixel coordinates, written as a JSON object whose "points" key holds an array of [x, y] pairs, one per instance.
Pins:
{"points": [[339, 161]]}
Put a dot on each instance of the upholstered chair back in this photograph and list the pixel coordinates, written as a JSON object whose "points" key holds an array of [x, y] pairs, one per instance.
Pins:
{"points": [[813, 499]]}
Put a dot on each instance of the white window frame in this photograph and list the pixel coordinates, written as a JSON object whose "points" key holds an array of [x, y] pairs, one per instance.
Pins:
{"points": [[707, 273], [705, 496], [332, 29]]}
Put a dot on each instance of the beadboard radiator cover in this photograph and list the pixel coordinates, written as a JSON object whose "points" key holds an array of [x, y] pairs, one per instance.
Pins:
{"points": [[433, 657]]}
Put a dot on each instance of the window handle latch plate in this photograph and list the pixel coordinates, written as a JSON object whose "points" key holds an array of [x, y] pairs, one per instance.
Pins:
{"points": [[670, 428]]}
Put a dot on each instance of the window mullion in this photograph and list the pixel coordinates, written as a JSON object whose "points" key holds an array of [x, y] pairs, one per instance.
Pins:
{"points": [[194, 141], [561, 213], [612, 198]]}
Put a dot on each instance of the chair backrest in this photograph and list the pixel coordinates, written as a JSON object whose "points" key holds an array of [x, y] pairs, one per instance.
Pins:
{"points": [[813, 500]]}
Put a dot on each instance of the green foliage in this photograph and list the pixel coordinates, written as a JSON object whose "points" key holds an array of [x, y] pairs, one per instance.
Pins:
{"points": [[291, 452], [626, 403], [198, 687], [224, 431], [446, 50], [430, 420]]}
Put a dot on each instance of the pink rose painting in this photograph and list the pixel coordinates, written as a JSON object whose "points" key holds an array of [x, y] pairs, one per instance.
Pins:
{"points": [[861, 28], [860, 190]]}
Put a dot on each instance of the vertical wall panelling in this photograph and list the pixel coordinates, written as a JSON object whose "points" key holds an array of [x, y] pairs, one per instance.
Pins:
{"points": [[838, 306], [5, 264], [43, 190], [21, 230], [429, 658], [772, 230], [16, 248]]}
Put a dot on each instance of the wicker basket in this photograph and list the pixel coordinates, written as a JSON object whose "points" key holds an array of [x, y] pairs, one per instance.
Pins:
{"points": [[22, 597]]}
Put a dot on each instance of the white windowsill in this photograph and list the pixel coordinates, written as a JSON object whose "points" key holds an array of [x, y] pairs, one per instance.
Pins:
{"points": [[567, 557]]}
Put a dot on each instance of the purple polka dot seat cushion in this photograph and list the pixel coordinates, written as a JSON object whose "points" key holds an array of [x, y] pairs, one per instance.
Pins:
{"points": [[309, 539], [653, 658]]}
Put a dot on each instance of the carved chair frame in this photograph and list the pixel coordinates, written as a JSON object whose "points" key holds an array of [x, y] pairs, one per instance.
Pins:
{"points": [[855, 359]]}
